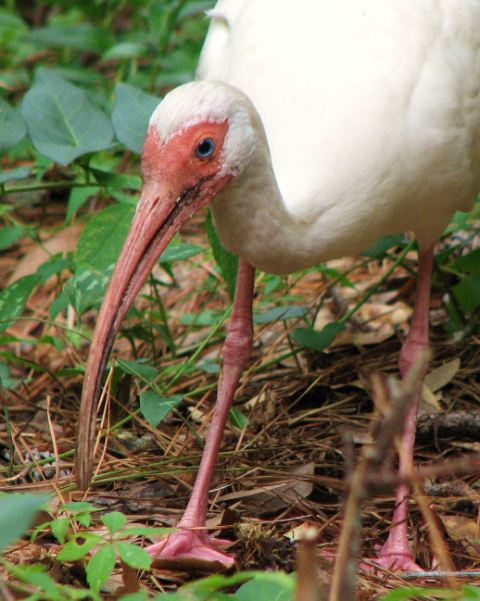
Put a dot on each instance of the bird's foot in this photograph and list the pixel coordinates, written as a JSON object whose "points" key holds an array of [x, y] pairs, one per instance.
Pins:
{"points": [[192, 549], [394, 557], [395, 562]]}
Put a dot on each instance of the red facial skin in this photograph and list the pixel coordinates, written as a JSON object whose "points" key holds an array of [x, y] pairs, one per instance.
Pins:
{"points": [[176, 184]]}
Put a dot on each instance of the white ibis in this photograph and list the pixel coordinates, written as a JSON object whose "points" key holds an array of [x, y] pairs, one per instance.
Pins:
{"points": [[318, 127]]}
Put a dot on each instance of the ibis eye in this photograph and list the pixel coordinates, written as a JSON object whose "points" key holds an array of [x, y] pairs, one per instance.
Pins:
{"points": [[205, 148]]}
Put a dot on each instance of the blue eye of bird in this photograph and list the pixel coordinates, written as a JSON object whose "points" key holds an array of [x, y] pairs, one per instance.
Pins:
{"points": [[205, 148]]}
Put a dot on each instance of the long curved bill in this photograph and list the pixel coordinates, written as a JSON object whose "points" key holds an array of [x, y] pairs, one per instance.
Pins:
{"points": [[162, 209]]}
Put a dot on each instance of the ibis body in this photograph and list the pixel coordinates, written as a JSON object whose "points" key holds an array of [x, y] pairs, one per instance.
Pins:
{"points": [[315, 128]]}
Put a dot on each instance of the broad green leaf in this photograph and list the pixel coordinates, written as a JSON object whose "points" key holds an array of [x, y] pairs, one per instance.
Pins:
{"points": [[318, 341], [87, 288], [469, 264], [103, 237], [15, 174], [117, 180], [384, 244], [226, 261], [60, 528], [62, 121], [53, 266], [470, 593], [207, 317], [82, 36], [114, 521], [124, 50], [12, 126], [134, 556], [45, 583], [467, 293], [273, 589], [180, 252], [155, 407], [79, 506], [10, 234], [284, 312], [77, 198], [414, 592], [138, 369], [147, 531], [16, 513], [131, 113], [210, 366], [14, 298], [100, 567], [85, 519], [6, 380], [78, 547]]}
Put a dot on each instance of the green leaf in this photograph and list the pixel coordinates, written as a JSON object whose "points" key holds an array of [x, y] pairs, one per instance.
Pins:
{"points": [[60, 528], [54, 266], [44, 582], [131, 113], [87, 288], [15, 174], [413, 592], [81, 36], [10, 234], [16, 513], [147, 531], [114, 521], [100, 567], [469, 264], [155, 407], [134, 556], [274, 589], [62, 121], [467, 293], [318, 341], [470, 593], [12, 126], [124, 50], [80, 506], [6, 380], [103, 237], [384, 244], [226, 261], [238, 419], [284, 312], [14, 298], [78, 547], [180, 252], [117, 180], [77, 198], [138, 369], [85, 519]]}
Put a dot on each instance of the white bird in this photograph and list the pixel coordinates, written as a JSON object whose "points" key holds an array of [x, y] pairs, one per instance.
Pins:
{"points": [[318, 127]]}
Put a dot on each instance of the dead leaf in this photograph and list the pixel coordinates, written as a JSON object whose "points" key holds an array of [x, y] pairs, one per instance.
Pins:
{"points": [[461, 528], [63, 241], [273, 497], [443, 375]]}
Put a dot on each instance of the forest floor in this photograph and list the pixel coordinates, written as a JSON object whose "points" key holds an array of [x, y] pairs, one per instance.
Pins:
{"points": [[300, 420]]}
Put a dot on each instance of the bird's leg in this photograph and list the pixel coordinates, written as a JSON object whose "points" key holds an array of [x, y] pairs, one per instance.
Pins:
{"points": [[192, 541], [396, 553]]}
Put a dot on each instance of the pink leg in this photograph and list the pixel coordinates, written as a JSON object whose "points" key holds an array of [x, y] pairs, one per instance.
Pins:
{"points": [[192, 542], [396, 553]]}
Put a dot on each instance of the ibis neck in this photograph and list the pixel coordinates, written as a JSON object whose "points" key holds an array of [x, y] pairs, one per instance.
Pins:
{"points": [[275, 234]]}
